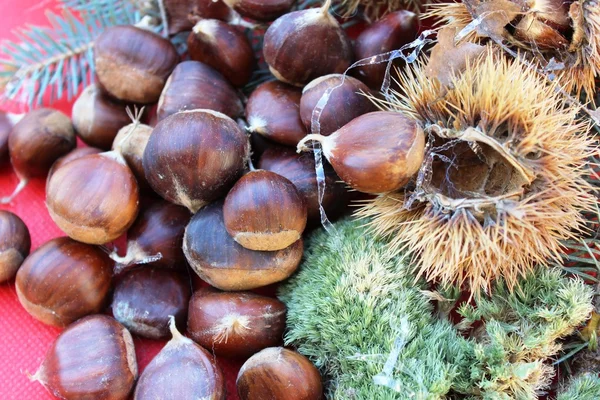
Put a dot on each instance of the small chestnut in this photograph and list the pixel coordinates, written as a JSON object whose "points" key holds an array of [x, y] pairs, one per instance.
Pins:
{"points": [[277, 373], [224, 264], [264, 211], [194, 157], [181, 14], [64, 280], [6, 123], [130, 142], [94, 358], [15, 243], [273, 111], [236, 324], [182, 370], [261, 10], [133, 64]]}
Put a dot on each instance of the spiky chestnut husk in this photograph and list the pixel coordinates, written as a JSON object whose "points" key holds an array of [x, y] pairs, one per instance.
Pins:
{"points": [[503, 179], [377, 9]]}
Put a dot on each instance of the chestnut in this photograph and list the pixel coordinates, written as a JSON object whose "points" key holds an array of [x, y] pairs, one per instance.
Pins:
{"points": [[126, 72], [389, 33], [277, 373], [64, 280], [93, 199], [182, 370], [304, 45], [181, 14], [97, 118], [15, 243], [36, 142], [6, 123], [194, 157], [236, 324], [145, 298], [261, 10], [130, 142], [273, 111], [156, 237], [224, 264], [347, 99], [94, 358], [187, 89], [264, 211], [72, 155]]}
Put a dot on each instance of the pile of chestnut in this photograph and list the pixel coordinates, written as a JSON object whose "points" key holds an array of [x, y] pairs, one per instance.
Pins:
{"points": [[185, 190]]}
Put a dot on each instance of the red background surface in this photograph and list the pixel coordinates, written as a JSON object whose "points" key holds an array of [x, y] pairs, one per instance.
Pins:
{"points": [[24, 340]]}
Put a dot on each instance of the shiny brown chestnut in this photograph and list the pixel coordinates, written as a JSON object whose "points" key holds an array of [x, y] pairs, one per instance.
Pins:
{"points": [[36, 142], [74, 154], [303, 45], [347, 99], [264, 211], [155, 238], [94, 358], [6, 123], [224, 264], [389, 33], [273, 111], [130, 142], [97, 118], [187, 89], [64, 280], [277, 373], [15, 243], [182, 14], [182, 370], [236, 324], [127, 73], [93, 199], [261, 10], [145, 298], [194, 157], [223, 47]]}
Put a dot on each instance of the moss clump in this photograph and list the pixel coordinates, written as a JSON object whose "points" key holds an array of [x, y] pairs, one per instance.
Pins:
{"points": [[583, 387]]}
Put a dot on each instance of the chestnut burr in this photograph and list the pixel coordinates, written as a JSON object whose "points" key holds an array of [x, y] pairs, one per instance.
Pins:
{"points": [[15, 243]]}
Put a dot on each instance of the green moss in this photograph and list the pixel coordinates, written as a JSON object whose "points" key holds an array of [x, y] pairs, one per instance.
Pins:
{"points": [[583, 387]]}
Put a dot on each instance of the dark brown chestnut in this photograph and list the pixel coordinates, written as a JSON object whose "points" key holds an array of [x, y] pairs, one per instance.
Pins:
{"points": [[273, 111], [389, 33], [130, 142], [279, 374], [36, 142], [156, 238], [224, 47], [94, 358], [182, 370], [93, 199], [261, 10], [72, 155], [146, 297], [182, 14], [264, 211], [64, 280], [236, 324], [304, 45], [6, 123], [194, 157], [15, 243], [97, 118], [224, 264], [347, 99], [133, 64]]}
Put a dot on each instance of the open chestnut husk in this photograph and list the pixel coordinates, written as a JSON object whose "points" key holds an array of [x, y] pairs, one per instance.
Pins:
{"points": [[93, 199], [261, 10], [224, 264], [264, 211], [15, 243], [345, 102], [182, 370], [194, 157], [187, 89], [273, 111], [236, 324], [145, 298], [94, 358], [127, 73], [97, 118], [377, 152], [279, 374], [64, 280]]}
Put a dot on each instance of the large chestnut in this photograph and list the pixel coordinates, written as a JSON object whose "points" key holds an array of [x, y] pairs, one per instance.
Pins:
{"points": [[236, 324], [15, 243], [224, 264], [94, 358], [64, 280], [133, 64], [74, 154], [131, 142], [182, 14], [194, 157]]}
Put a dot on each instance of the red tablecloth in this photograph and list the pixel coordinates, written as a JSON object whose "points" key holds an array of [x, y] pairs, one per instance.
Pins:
{"points": [[24, 340]]}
